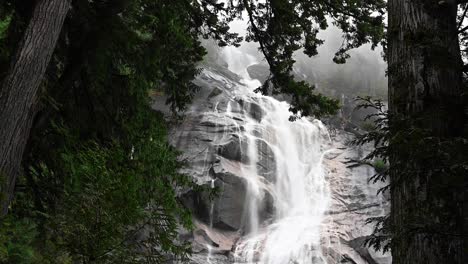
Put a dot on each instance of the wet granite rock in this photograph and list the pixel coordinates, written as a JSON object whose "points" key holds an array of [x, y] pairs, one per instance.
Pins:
{"points": [[215, 92], [259, 72], [233, 148], [266, 165], [229, 205], [253, 109], [210, 144], [214, 149]]}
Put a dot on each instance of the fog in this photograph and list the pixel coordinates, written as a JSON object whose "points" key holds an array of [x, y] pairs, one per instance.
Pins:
{"points": [[362, 75]]}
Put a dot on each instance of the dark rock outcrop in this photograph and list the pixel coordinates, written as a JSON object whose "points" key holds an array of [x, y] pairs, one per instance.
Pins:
{"points": [[216, 153], [259, 72]]}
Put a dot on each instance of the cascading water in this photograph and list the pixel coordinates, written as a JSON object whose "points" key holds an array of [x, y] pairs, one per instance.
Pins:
{"points": [[285, 194], [299, 191]]}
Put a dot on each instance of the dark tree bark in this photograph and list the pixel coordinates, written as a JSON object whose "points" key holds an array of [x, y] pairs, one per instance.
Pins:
{"points": [[19, 92], [425, 80]]}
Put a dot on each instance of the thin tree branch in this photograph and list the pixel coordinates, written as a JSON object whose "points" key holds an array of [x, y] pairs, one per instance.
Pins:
{"points": [[463, 29], [463, 17]]}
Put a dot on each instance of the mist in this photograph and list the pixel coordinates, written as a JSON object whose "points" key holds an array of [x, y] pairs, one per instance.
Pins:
{"points": [[363, 74]]}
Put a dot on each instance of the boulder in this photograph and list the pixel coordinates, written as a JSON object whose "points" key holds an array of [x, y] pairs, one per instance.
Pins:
{"points": [[358, 245], [229, 205], [233, 148], [266, 165], [253, 109], [259, 72], [215, 92]]}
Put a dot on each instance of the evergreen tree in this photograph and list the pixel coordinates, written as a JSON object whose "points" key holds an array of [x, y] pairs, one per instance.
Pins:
{"points": [[96, 166], [18, 94], [282, 27], [422, 139], [99, 181], [426, 90]]}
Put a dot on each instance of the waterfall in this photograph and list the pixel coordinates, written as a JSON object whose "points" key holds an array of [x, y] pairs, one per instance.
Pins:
{"points": [[297, 186], [284, 192]]}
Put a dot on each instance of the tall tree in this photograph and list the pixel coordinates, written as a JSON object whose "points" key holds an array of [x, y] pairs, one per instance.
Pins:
{"points": [[20, 89], [425, 87], [283, 27], [96, 144]]}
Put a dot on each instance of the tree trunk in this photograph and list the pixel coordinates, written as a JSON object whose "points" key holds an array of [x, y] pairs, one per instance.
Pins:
{"points": [[19, 92], [425, 81]]}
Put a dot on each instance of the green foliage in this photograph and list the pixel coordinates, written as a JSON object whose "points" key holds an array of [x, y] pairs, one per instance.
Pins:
{"points": [[406, 151], [113, 195], [16, 241], [100, 180], [283, 27], [109, 203], [367, 126], [4, 24], [379, 166]]}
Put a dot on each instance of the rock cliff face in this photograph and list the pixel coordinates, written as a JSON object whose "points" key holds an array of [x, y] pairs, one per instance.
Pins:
{"points": [[231, 140]]}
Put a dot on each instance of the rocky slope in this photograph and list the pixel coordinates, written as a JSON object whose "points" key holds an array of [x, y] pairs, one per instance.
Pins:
{"points": [[212, 141]]}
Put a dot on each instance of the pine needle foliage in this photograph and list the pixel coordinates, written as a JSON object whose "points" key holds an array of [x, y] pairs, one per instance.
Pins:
{"points": [[99, 181], [283, 27], [446, 165]]}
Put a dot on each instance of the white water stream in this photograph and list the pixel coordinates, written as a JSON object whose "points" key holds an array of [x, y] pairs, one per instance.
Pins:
{"points": [[299, 191]]}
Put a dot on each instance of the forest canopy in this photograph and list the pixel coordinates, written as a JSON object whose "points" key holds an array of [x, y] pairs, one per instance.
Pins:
{"points": [[85, 163], [96, 149]]}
